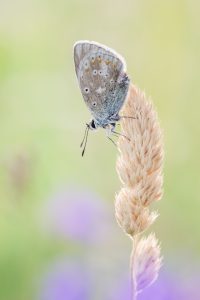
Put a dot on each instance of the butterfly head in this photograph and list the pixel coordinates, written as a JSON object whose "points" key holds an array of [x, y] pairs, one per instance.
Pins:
{"points": [[89, 126], [92, 125]]}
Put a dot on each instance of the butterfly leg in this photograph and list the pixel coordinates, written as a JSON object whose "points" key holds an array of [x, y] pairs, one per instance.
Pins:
{"points": [[112, 141], [112, 131], [120, 134], [109, 131], [127, 117]]}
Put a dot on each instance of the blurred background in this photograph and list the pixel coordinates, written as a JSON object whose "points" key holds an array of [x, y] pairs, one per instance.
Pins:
{"points": [[58, 236]]}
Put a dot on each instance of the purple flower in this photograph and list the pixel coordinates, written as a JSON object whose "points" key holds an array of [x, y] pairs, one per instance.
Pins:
{"points": [[64, 281], [75, 214], [167, 287]]}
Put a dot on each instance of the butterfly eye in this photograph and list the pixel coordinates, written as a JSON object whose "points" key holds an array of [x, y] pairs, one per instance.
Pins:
{"points": [[86, 90], [100, 72], [94, 72], [94, 103], [111, 81], [93, 124]]}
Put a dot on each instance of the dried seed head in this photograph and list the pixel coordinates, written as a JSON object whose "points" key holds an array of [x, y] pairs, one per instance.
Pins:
{"points": [[139, 166], [133, 217], [147, 262]]}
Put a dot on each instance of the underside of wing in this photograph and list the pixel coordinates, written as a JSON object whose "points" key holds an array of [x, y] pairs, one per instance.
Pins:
{"points": [[82, 48], [99, 70]]}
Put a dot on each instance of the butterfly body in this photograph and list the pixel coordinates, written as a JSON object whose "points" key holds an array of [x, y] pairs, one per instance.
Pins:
{"points": [[102, 78]]}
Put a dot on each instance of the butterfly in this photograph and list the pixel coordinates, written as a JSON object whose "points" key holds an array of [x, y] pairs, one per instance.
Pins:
{"points": [[102, 78]]}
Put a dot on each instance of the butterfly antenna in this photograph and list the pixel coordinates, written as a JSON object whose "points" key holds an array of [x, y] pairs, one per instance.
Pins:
{"points": [[84, 135], [85, 139]]}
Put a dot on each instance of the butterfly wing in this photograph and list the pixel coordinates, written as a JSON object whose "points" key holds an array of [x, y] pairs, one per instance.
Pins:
{"points": [[100, 72]]}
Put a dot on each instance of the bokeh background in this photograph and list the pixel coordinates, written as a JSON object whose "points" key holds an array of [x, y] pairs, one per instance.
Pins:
{"points": [[58, 236]]}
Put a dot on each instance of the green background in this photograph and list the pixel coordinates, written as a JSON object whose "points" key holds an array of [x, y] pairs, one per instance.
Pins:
{"points": [[43, 115]]}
